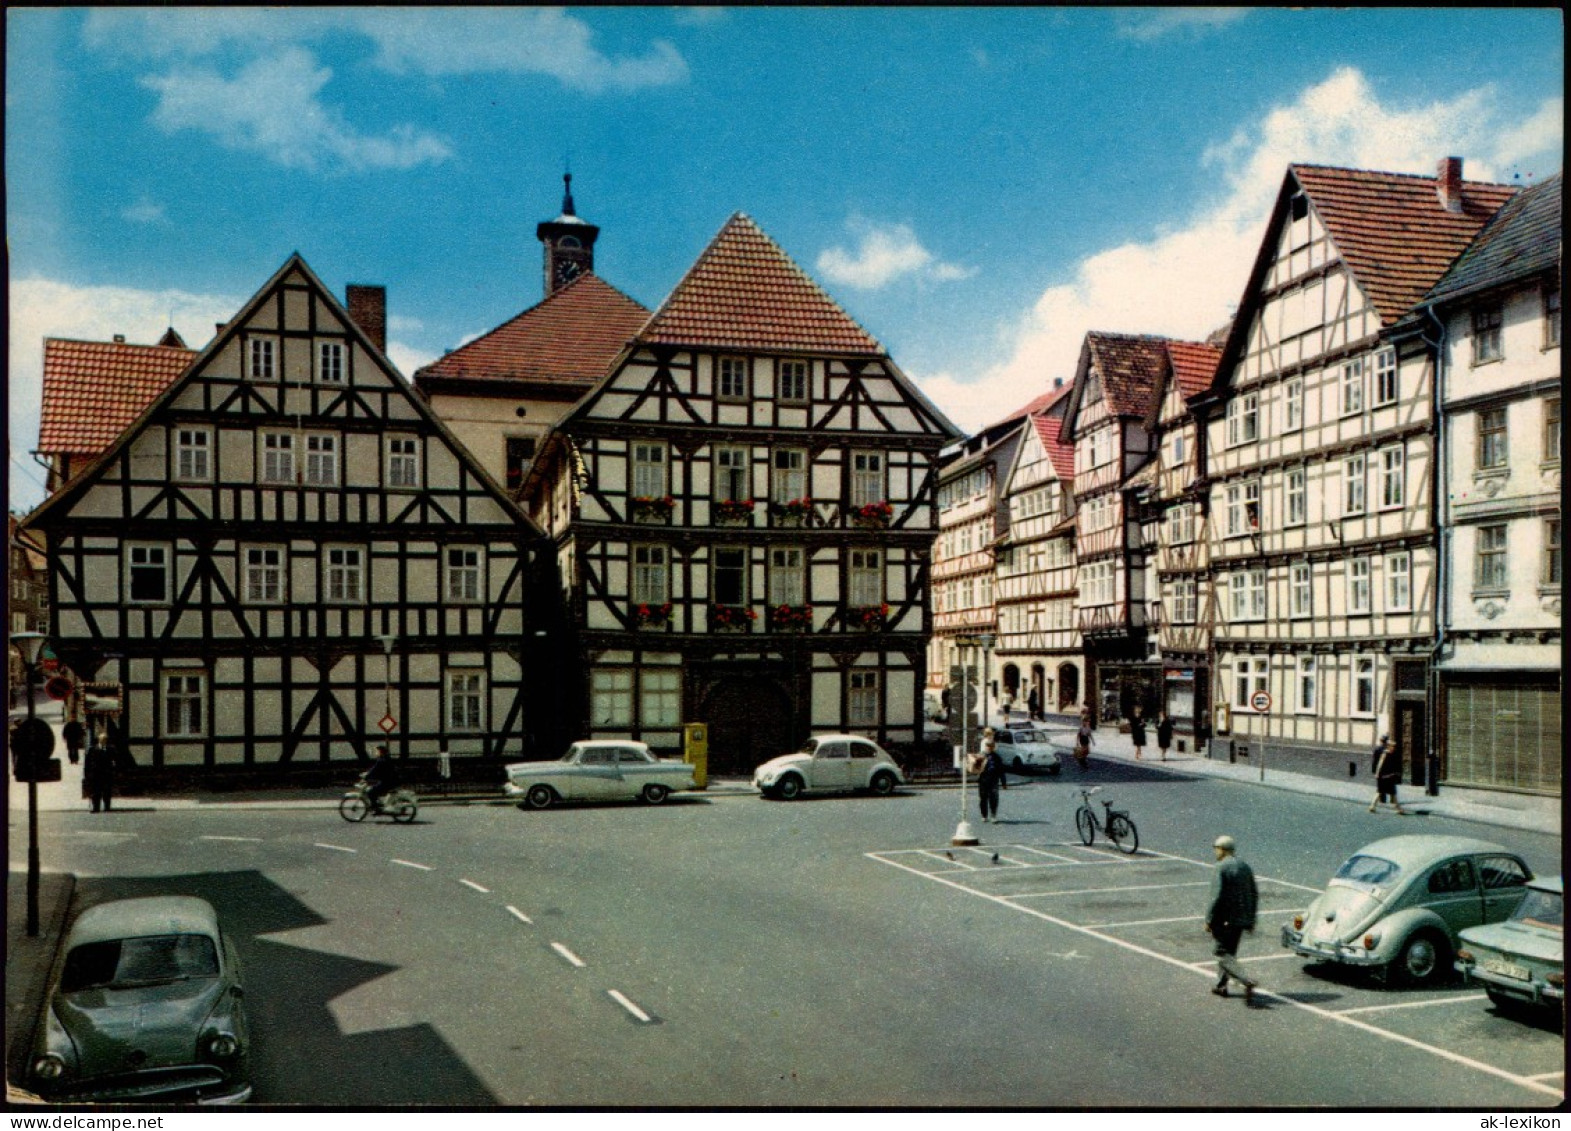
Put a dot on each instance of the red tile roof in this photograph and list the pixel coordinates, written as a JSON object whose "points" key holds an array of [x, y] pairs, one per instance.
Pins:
{"points": [[1061, 453], [93, 390], [1392, 230], [1194, 365], [570, 339], [745, 293], [1131, 367]]}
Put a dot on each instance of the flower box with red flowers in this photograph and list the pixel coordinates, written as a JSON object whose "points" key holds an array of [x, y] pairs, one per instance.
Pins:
{"points": [[653, 508], [734, 512], [868, 617], [873, 515], [793, 512], [731, 618], [791, 618], [652, 616]]}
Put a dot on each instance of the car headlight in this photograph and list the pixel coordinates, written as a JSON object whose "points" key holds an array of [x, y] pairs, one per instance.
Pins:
{"points": [[1465, 956], [222, 1046], [1556, 979], [1371, 940], [49, 1067], [1298, 922]]}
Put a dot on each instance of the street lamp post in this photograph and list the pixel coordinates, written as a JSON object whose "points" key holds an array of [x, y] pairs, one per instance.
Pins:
{"points": [[986, 641], [29, 644], [965, 646]]}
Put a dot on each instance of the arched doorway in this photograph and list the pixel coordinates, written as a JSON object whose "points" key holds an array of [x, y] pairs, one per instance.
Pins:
{"points": [[749, 721], [1068, 685], [1012, 681]]}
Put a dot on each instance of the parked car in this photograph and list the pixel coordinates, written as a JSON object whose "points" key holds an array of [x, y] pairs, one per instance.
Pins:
{"points": [[1022, 746], [1524, 958], [144, 1005], [829, 763], [1398, 904], [599, 770]]}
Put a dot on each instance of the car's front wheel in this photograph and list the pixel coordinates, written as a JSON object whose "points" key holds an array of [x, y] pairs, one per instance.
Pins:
{"points": [[539, 797], [883, 783], [1423, 958], [654, 793], [789, 788]]}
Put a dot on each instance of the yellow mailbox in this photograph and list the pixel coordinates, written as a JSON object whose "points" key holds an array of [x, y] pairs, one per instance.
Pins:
{"points": [[695, 751]]}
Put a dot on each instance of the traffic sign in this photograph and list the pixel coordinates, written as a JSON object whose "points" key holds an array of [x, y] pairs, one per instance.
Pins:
{"points": [[32, 744], [388, 724], [1260, 701], [58, 687]]}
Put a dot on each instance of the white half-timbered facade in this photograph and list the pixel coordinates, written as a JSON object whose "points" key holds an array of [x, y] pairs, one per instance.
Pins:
{"points": [[1319, 459], [287, 558], [743, 512]]}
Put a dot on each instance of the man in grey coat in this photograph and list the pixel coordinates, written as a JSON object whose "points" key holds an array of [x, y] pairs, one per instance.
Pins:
{"points": [[1229, 914]]}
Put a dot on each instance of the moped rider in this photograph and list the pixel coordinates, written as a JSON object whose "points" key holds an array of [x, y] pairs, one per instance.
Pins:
{"points": [[380, 778]]}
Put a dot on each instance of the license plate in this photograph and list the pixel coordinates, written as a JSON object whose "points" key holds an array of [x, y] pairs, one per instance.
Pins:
{"points": [[1508, 969]]}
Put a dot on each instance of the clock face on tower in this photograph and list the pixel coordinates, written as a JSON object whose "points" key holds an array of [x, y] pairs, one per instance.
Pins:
{"points": [[567, 270]]}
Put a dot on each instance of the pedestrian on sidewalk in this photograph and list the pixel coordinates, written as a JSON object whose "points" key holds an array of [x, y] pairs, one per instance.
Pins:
{"points": [[1388, 772], [1137, 732], [991, 778], [98, 774], [1033, 705], [1164, 733], [74, 733], [1229, 914]]}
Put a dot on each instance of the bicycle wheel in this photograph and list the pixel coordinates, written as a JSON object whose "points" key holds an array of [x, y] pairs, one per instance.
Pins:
{"points": [[353, 808], [404, 810], [1121, 831], [1086, 823]]}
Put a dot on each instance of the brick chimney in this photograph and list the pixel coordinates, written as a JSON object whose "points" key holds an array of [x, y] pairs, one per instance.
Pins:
{"points": [[368, 309], [1448, 183]]}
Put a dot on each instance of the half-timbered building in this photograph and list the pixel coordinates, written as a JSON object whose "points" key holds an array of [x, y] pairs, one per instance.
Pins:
{"points": [[1495, 322], [1319, 453], [743, 511], [1039, 647], [286, 557]]}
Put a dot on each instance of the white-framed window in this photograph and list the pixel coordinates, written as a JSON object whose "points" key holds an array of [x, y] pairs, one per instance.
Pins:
{"points": [[1300, 590], [1353, 387], [147, 573], [465, 574], [278, 457], [321, 460], [1487, 324], [611, 697], [1393, 477], [1493, 442], [193, 454], [1385, 376], [1293, 405], [867, 478], [1358, 585], [733, 481], [793, 381], [1181, 524], [1551, 429], [650, 582], [660, 697], [403, 461], [465, 700], [1178, 448], [1551, 572], [185, 698], [1552, 316], [1306, 698], [728, 580], [1186, 605], [1399, 582], [1243, 419], [1490, 558], [261, 359], [1100, 447], [731, 379], [344, 580], [1297, 496], [330, 363], [786, 576], [1250, 674], [788, 475], [649, 469], [1098, 583], [264, 575], [1363, 704], [1243, 508], [866, 587], [862, 698], [1354, 479], [1248, 590]]}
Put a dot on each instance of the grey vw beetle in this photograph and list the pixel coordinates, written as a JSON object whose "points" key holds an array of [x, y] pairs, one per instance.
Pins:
{"points": [[1397, 905]]}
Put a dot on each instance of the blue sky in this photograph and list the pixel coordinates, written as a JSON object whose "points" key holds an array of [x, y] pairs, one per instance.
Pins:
{"points": [[978, 187]]}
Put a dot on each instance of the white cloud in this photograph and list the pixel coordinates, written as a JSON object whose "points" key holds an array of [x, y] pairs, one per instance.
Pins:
{"points": [[884, 253], [145, 212], [271, 107], [1185, 278], [408, 358], [1155, 24], [42, 308]]}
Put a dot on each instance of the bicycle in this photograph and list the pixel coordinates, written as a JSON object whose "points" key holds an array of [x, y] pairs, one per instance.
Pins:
{"points": [[399, 804], [1118, 828]]}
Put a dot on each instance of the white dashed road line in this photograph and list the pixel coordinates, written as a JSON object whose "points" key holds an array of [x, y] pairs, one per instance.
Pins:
{"points": [[251, 839], [567, 954], [477, 887], [412, 864], [335, 847], [617, 996], [519, 915], [1417, 1004]]}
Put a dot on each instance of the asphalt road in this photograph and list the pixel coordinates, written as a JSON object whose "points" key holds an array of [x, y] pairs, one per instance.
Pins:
{"points": [[726, 950]]}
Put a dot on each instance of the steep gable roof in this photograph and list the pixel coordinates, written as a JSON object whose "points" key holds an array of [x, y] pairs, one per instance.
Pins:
{"points": [[569, 339], [1062, 454], [93, 390], [1194, 366], [1131, 367], [1519, 241], [745, 293]]}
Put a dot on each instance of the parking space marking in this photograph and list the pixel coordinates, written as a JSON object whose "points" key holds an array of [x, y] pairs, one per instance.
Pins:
{"points": [[1175, 919], [475, 886], [618, 997], [1049, 855], [519, 915], [567, 954], [251, 839], [1259, 879], [1210, 963], [335, 847], [1106, 891], [1549, 1075], [1528, 1082], [1415, 1004], [412, 864]]}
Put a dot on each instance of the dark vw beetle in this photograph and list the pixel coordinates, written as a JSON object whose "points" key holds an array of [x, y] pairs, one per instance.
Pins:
{"points": [[144, 1004]]}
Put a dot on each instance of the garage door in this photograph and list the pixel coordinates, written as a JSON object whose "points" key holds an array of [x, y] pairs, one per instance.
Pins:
{"points": [[1503, 737]]}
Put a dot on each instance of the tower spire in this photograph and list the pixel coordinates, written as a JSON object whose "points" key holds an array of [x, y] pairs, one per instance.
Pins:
{"points": [[567, 195]]}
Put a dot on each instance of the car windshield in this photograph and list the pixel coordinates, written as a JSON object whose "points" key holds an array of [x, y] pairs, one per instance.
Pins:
{"points": [[1370, 870], [571, 755], [809, 746], [119, 963], [1542, 909]]}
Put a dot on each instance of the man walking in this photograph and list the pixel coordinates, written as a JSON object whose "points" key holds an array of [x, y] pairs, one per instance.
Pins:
{"points": [[1388, 772], [1230, 913]]}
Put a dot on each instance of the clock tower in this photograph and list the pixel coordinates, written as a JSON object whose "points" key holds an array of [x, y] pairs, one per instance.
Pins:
{"points": [[569, 243]]}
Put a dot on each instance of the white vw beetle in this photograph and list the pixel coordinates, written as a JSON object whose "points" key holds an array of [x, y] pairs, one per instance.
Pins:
{"points": [[829, 763], [602, 770]]}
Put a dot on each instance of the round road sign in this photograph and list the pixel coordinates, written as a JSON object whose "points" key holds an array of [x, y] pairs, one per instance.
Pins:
{"points": [[33, 740], [1260, 701], [58, 687]]}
